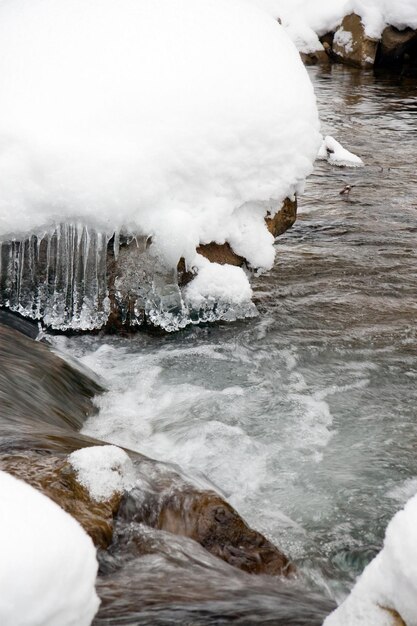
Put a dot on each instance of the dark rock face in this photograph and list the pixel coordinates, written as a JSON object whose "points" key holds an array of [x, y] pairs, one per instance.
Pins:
{"points": [[397, 51]]}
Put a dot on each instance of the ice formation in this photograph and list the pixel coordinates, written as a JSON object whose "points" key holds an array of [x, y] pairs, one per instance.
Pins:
{"points": [[103, 470], [336, 154], [389, 581], [48, 562], [59, 275], [306, 20]]}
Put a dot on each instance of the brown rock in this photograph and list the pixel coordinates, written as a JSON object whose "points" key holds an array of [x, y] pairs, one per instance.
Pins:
{"points": [[283, 219], [215, 525], [352, 46], [54, 477], [277, 225], [313, 58], [220, 253]]}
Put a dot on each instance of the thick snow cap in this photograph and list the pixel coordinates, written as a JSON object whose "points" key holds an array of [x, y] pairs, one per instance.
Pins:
{"points": [[48, 563], [389, 581], [165, 117]]}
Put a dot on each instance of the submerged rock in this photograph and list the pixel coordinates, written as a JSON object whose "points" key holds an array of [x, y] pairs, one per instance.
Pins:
{"points": [[207, 518], [169, 579], [214, 524]]}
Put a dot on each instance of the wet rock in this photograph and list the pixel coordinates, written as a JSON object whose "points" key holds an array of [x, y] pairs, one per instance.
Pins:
{"points": [[155, 578], [54, 477], [352, 46], [208, 519], [38, 385], [214, 524]]}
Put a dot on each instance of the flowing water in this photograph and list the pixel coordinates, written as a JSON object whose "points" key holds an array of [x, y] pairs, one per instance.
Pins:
{"points": [[304, 417]]}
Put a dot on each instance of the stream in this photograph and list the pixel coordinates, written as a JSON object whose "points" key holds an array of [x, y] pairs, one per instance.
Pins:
{"points": [[303, 417]]}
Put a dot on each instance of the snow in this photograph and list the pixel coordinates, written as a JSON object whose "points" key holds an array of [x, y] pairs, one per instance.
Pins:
{"points": [[376, 14], [344, 39], [389, 581], [336, 154], [103, 470], [48, 563], [178, 119], [224, 286], [305, 20]]}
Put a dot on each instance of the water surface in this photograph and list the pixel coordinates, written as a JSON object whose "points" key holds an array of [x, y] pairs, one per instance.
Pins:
{"points": [[304, 417]]}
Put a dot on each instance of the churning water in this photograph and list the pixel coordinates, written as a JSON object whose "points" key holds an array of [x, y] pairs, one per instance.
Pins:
{"points": [[304, 417]]}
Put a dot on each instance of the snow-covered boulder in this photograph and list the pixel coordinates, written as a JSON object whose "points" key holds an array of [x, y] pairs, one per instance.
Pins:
{"points": [[188, 122], [352, 45], [386, 592], [48, 563]]}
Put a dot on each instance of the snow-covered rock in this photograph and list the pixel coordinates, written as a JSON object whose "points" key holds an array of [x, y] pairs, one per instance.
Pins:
{"points": [[223, 289], [178, 119], [388, 582], [103, 470], [333, 151], [48, 563], [307, 20], [352, 45]]}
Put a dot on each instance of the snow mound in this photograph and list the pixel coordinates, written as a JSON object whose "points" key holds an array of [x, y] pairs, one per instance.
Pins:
{"points": [[336, 154], [103, 470], [389, 581], [168, 118], [219, 292], [48, 563]]}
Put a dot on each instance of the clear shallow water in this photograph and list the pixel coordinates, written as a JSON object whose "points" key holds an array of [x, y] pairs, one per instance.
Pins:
{"points": [[305, 416]]}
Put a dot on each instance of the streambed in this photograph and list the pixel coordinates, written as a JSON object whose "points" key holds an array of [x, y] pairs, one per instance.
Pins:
{"points": [[304, 417]]}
